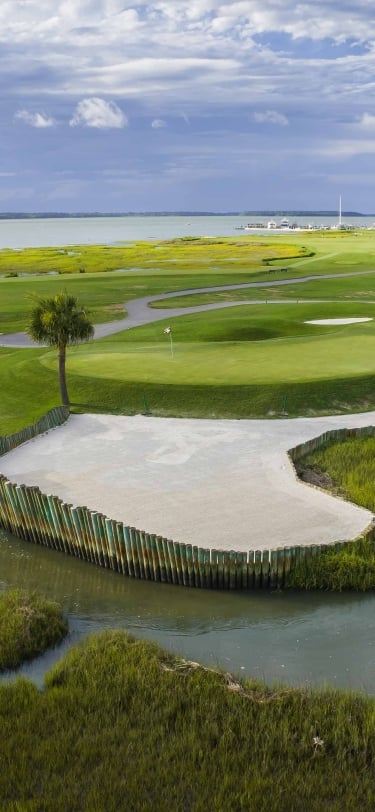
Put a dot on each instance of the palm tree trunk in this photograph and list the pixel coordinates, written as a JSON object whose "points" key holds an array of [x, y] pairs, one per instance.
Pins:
{"points": [[62, 376]]}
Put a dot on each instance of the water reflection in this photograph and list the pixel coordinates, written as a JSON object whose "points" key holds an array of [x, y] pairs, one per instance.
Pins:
{"points": [[298, 638]]}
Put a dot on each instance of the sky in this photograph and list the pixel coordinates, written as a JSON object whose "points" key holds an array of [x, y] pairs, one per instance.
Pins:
{"points": [[244, 105]]}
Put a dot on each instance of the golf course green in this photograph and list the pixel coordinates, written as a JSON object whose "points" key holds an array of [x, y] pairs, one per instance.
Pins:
{"points": [[250, 360], [239, 346]]}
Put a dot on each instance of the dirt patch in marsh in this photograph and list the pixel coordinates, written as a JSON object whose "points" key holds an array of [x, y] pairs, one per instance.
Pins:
{"points": [[315, 476]]}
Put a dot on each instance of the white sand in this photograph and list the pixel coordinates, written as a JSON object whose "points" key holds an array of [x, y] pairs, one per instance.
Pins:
{"points": [[336, 321], [215, 483]]}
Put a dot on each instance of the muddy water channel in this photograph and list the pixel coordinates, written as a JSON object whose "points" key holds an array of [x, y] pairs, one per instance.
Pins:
{"points": [[294, 638]]}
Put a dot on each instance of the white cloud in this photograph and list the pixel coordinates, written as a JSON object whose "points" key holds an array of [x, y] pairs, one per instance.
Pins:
{"points": [[98, 113], [347, 148], [132, 48], [367, 122], [271, 117], [206, 62], [38, 120], [119, 23]]}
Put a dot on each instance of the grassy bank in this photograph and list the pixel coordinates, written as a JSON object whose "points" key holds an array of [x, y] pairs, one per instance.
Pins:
{"points": [[241, 362], [350, 568], [346, 469], [350, 466], [29, 625], [35, 390], [123, 725]]}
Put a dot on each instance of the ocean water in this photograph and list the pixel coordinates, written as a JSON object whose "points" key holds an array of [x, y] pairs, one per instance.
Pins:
{"points": [[109, 230]]}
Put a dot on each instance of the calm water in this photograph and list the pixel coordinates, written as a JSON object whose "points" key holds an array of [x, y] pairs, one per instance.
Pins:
{"points": [[300, 639], [73, 231]]}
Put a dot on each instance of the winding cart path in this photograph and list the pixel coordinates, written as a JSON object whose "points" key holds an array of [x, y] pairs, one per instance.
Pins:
{"points": [[140, 313]]}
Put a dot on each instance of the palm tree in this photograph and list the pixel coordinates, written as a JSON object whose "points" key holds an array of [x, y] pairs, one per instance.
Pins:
{"points": [[59, 321]]}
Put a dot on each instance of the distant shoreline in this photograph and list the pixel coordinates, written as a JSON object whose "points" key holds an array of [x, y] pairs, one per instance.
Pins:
{"points": [[261, 213]]}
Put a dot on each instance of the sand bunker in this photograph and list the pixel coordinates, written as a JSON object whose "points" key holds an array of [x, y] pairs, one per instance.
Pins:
{"points": [[336, 321], [226, 484]]}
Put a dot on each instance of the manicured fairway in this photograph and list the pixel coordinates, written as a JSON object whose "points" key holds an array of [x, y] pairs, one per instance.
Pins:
{"points": [[256, 361], [351, 287]]}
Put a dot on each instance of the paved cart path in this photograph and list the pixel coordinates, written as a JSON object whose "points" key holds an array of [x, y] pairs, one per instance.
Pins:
{"points": [[140, 313], [225, 484]]}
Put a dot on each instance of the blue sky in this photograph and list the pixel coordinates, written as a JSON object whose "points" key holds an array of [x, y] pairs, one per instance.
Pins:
{"points": [[114, 105]]}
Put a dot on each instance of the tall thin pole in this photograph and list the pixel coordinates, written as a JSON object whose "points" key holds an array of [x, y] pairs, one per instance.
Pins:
{"points": [[340, 211], [168, 331]]}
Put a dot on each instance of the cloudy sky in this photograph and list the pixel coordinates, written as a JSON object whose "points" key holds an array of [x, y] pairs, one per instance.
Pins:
{"points": [[124, 105]]}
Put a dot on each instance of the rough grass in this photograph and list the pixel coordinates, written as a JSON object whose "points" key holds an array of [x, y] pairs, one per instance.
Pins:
{"points": [[348, 467], [351, 466], [104, 295], [123, 725], [29, 625], [350, 568]]}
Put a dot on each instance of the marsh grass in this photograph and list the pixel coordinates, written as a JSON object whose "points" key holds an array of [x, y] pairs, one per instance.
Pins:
{"points": [[351, 465], [350, 568], [29, 625], [173, 265], [349, 469], [142, 255], [123, 725]]}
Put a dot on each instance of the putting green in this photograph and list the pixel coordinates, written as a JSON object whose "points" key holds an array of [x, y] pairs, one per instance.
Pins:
{"points": [[240, 346], [233, 363]]}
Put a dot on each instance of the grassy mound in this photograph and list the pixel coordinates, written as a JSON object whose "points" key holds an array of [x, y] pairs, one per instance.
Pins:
{"points": [[29, 625], [244, 345], [123, 725], [29, 386]]}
